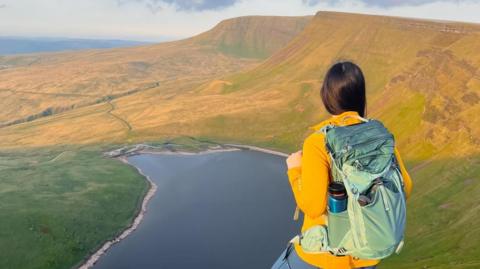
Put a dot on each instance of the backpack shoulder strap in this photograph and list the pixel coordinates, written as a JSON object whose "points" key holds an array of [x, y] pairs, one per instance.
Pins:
{"points": [[355, 116], [325, 128], [337, 173]]}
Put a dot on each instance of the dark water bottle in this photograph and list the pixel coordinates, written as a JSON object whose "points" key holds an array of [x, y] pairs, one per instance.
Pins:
{"points": [[337, 197]]}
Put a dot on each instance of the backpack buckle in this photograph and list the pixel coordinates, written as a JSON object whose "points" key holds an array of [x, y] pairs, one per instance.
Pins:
{"points": [[354, 190], [399, 247], [357, 164], [339, 252], [327, 127]]}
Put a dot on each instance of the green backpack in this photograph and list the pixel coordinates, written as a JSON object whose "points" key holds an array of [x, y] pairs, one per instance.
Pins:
{"points": [[372, 227]]}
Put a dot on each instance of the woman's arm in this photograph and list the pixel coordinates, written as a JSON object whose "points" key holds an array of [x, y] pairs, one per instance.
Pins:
{"points": [[310, 181], [407, 181]]}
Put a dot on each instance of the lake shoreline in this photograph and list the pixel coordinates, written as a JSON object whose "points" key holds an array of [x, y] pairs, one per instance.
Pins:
{"points": [[136, 222], [93, 259], [218, 147], [269, 151]]}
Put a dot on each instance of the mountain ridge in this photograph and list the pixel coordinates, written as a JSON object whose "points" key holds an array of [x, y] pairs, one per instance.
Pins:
{"points": [[253, 36]]}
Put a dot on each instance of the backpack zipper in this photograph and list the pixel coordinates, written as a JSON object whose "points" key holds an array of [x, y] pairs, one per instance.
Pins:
{"points": [[372, 140], [346, 135], [348, 147]]}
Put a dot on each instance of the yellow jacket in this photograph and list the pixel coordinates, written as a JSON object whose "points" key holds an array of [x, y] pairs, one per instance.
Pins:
{"points": [[309, 185]]}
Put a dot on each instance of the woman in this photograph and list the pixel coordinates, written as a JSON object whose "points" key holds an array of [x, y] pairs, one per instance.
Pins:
{"points": [[343, 95]]}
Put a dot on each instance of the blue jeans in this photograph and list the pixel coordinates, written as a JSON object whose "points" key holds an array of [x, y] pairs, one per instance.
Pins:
{"points": [[289, 259]]}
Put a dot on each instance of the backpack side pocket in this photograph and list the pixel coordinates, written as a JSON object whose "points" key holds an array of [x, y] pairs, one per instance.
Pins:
{"points": [[338, 226]]}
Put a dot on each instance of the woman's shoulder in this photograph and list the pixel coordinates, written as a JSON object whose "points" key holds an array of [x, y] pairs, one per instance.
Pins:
{"points": [[318, 127], [317, 137], [315, 143], [317, 132]]}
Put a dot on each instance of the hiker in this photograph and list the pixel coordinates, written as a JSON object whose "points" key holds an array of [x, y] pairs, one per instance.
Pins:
{"points": [[330, 163]]}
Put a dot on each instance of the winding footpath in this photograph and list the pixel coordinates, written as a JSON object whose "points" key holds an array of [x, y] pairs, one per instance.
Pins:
{"points": [[122, 120]]}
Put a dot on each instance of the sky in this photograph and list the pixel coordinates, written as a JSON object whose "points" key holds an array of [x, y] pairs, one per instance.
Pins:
{"points": [[160, 20]]}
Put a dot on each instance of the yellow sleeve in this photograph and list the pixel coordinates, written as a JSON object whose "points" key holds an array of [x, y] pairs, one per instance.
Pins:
{"points": [[310, 181], [407, 181]]}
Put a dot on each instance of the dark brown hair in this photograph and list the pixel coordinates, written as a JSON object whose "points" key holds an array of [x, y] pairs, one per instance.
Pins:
{"points": [[343, 89]]}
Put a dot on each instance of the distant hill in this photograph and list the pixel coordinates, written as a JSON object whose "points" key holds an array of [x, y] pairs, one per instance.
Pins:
{"points": [[253, 36], [24, 45], [33, 86]]}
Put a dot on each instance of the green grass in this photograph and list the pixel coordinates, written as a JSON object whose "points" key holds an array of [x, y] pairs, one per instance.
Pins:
{"points": [[55, 211], [443, 217], [241, 50]]}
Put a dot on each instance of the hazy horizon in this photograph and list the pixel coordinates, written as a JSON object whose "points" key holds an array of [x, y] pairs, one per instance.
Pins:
{"points": [[10, 45]]}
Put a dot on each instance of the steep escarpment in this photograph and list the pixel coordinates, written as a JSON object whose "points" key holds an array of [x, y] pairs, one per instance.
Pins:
{"points": [[420, 70], [253, 36]]}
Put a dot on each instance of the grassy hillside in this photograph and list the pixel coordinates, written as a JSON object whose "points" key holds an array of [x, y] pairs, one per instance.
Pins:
{"points": [[418, 70], [37, 85], [58, 204], [414, 69], [423, 82], [68, 80], [443, 216]]}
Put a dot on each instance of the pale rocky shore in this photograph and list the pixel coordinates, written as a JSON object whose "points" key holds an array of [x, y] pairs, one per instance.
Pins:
{"points": [[273, 152], [167, 149], [138, 219]]}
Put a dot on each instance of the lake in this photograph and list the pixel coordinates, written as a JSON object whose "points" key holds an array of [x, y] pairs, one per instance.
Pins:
{"points": [[214, 210]]}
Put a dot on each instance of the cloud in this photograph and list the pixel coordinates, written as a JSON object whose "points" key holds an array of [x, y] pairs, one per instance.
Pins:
{"points": [[3, 5], [135, 20], [381, 3], [182, 5], [392, 3], [311, 2]]}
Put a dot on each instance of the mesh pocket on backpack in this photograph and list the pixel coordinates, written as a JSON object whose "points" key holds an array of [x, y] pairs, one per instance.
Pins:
{"points": [[338, 226]]}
